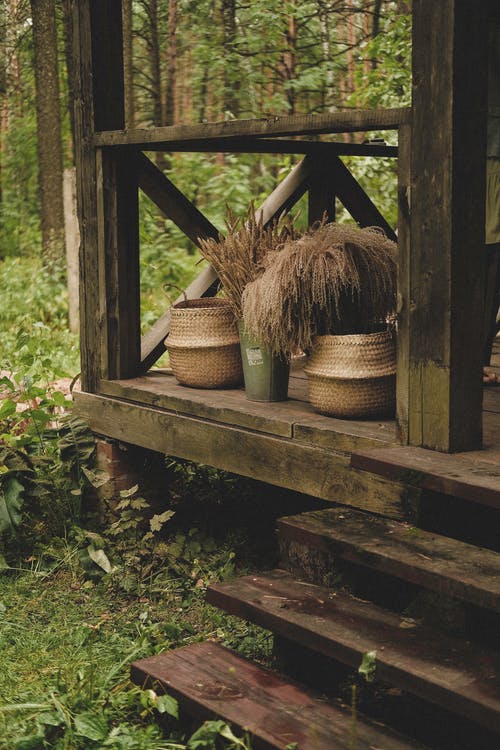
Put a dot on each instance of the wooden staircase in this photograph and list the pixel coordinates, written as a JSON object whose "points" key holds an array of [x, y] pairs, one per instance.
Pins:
{"points": [[352, 583]]}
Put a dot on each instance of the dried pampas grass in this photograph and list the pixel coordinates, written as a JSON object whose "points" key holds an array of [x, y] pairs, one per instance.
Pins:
{"points": [[238, 257], [336, 279]]}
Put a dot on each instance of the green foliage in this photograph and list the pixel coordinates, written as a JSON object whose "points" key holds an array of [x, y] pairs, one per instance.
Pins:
{"points": [[368, 666], [36, 342], [43, 449]]}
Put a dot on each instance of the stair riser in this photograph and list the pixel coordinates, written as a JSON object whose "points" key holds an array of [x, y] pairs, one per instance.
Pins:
{"points": [[320, 557]]}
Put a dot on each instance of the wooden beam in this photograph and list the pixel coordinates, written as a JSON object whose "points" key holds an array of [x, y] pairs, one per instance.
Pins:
{"points": [[90, 317], [281, 200], [322, 189], [118, 244], [356, 201], [282, 462], [253, 145], [98, 86], [447, 223], [333, 122], [172, 202], [107, 64], [403, 294]]}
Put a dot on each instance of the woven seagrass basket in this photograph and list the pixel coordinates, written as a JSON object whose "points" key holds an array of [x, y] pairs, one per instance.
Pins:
{"points": [[203, 344], [353, 376]]}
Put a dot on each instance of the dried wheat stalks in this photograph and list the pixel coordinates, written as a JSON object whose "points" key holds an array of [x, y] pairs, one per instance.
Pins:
{"points": [[335, 279], [237, 258]]}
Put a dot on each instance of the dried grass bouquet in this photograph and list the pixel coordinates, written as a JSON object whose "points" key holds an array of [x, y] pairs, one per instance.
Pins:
{"points": [[238, 257], [335, 279]]}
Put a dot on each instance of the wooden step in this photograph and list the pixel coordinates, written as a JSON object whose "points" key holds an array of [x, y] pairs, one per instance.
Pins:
{"points": [[457, 474], [446, 671], [209, 680], [434, 562]]}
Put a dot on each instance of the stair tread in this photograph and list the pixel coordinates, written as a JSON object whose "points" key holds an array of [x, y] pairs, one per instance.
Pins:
{"points": [[448, 671], [208, 679], [460, 475], [436, 562]]}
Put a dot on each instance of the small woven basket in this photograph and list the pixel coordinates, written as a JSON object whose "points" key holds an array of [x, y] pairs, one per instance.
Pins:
{"points": [[353, 376], [203, 344]]}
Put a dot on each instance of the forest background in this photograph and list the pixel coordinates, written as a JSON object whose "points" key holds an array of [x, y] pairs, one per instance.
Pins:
{"points": [[185, 61]]}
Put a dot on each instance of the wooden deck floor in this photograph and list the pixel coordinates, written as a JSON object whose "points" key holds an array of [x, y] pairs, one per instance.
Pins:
{"points": [[288, 444]]}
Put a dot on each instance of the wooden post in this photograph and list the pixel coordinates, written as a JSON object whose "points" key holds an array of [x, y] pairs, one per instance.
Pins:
{"points": [[403, 297], [118, 247], [447, 223], [99, 105], [321, 195]]}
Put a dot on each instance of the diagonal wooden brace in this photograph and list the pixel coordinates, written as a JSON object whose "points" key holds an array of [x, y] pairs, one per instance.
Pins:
{"points": [[356, 201], [192, 222]]}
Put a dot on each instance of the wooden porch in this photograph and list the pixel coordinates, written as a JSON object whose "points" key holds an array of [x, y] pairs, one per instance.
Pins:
{"points": [[357, 463], [414, 500], [440, 193]]}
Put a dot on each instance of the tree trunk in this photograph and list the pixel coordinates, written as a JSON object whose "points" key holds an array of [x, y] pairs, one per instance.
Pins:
{"points": [[128, 71], [171, 65], [3, 93], [50, 168], [68, 54], [290, 61], [231, 78]]}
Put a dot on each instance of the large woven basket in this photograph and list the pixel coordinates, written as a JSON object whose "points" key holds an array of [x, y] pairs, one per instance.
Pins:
{"points": [[353, 376], [203, 344]]}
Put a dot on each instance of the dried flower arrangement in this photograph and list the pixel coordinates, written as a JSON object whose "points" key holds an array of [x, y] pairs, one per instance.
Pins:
{"points": [[238, 257], [335, 279]]}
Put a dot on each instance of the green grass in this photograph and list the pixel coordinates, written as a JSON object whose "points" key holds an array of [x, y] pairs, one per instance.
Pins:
{"points": [[66, 644]]}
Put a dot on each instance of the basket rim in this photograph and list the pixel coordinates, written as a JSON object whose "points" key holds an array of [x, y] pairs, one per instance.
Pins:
{"points": [[203, 303]]}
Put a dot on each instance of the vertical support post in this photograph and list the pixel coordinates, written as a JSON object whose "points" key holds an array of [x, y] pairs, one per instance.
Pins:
{"points": [[107, 199], [118, 242], [403, 298], [90, 319], [447, 223], [321, 186]]}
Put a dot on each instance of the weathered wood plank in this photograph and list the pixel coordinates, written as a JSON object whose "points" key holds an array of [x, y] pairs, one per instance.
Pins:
{"points": [[356, 201], [438, 563], [118, 248], [172, 202], [253, 145], [322, 191], [447, 671], [332, 122], [342, 434], [107, 64], [90, 316], [98, 90], [476, 481], [286, 194], [403, 294], [293, 418], [447, 223], [285, 463], [209, 680], [225, 406]]}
